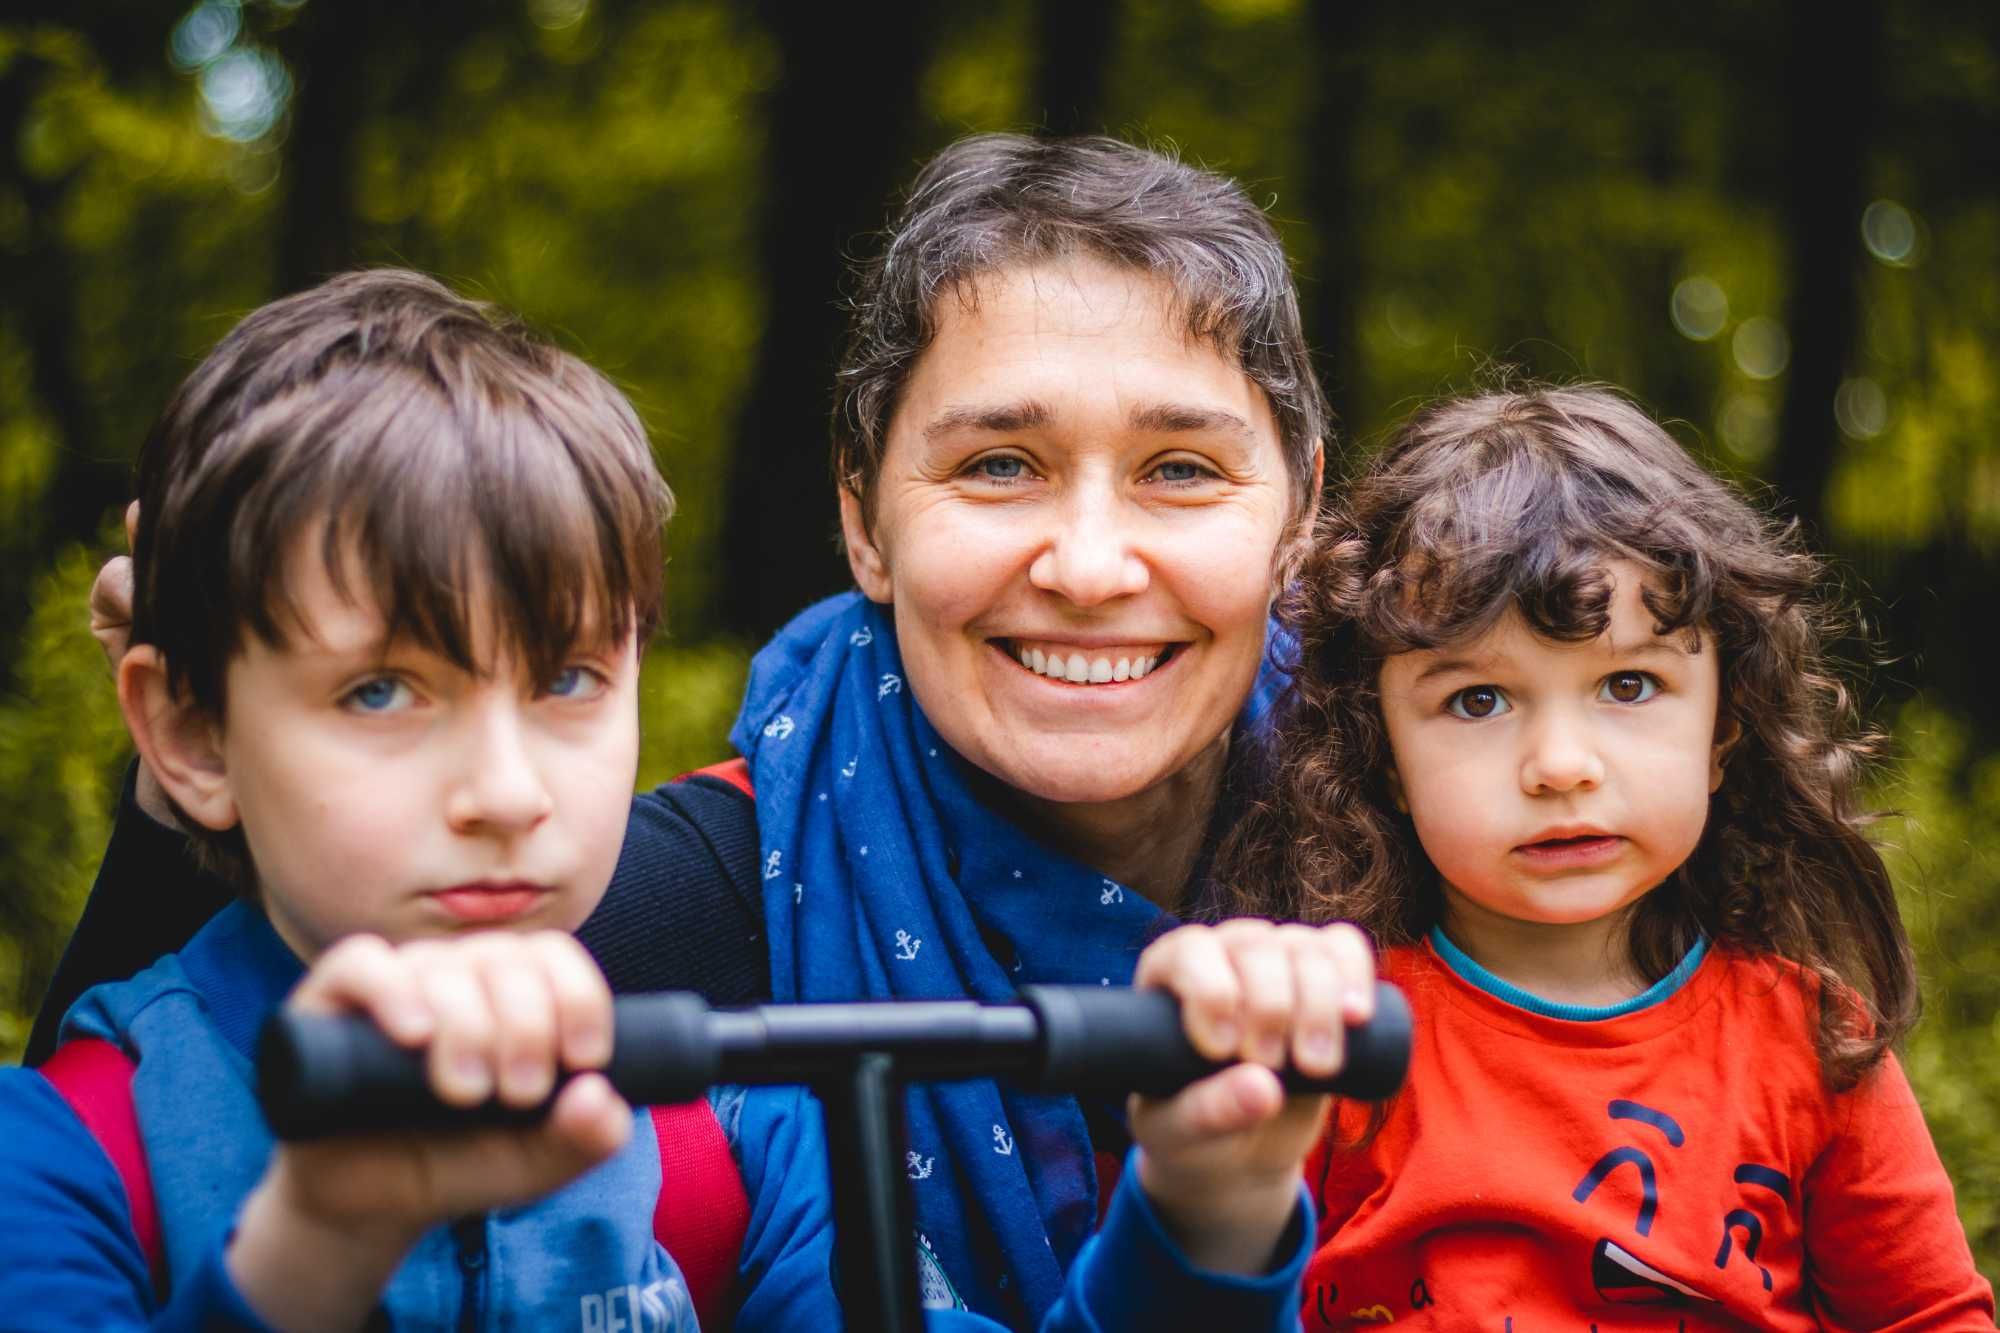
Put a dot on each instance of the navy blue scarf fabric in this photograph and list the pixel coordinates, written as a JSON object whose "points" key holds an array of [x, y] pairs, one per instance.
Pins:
{"points": [[886, 878]]}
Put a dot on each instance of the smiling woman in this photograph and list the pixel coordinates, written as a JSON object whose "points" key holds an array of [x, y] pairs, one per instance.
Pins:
{"points": [[1076, 525]]}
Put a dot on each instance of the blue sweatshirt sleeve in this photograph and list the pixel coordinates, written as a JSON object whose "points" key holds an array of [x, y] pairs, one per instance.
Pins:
{"points": [[72, 1260], [1129, 1276]]}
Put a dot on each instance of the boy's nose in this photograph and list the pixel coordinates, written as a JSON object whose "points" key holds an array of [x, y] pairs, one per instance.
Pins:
{"points": [[498, 786], [1089, 556], [1561, 757]]}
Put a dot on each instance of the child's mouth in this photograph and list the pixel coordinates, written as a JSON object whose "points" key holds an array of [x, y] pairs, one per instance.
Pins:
{"points": [[1573, 849], [488, 902]]}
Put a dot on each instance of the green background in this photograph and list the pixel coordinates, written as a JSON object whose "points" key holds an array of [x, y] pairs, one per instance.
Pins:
{"points": [[1794, 257]]}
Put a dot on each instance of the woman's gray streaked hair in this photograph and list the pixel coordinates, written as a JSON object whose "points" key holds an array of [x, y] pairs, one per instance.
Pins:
{"points": [[995, 201]]}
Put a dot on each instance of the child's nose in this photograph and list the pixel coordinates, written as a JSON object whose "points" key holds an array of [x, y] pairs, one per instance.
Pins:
{"points": [[1561, 756], [498, 785]]}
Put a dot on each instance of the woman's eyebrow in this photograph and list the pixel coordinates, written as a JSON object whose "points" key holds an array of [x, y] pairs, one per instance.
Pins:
{"points": [[1175, 418], [1001, 418]]}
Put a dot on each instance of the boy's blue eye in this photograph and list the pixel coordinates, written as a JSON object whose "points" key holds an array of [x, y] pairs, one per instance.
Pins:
{"points": [[1628, 687], [378, 695], [575, 683], [1477, 702]]}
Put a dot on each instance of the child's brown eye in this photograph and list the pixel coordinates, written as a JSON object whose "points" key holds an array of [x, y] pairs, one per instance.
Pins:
{"points": [[1476, 702], [1630, 687]]}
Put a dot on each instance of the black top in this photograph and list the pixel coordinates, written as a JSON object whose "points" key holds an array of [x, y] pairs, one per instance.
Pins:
{"points": [[685, 909]]}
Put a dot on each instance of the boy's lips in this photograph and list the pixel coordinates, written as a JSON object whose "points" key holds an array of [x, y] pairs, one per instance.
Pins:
{"points": [[490, 900]]}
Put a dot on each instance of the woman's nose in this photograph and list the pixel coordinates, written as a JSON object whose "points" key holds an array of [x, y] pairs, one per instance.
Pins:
{"points": [[498, 787], [1562, 756], [1090, 556]]}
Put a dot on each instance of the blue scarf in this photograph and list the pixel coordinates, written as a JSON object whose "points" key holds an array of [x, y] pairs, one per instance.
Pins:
{"points": [[886, 878]]}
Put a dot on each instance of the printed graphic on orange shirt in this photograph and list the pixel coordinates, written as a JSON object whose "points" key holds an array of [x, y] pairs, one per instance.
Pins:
{"points": [[1624, 1278]]}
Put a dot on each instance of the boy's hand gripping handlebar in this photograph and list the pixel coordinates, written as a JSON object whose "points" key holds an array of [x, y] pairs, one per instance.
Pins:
{"points": [[321, 1075]]}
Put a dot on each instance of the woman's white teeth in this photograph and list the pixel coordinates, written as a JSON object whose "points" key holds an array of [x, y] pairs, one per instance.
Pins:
{"points": [[1081, 669]]}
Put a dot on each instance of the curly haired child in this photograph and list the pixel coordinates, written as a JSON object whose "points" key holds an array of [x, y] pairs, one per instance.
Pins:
{"points": [[1565, 739]]}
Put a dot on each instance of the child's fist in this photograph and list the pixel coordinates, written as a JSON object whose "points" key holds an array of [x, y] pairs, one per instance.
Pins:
{"points": [[499, 1015], [1221, 1159]]}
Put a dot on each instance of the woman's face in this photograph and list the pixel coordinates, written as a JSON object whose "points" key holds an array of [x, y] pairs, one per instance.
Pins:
{"points": [[1071, 481]]}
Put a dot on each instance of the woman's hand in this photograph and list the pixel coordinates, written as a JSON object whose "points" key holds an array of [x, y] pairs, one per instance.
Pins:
{"points": [[111, 626], [1221, 1159], [499, 1015]]}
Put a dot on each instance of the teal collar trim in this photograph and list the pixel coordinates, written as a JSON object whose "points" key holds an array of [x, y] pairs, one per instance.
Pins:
{"points": [[1461, 962]]}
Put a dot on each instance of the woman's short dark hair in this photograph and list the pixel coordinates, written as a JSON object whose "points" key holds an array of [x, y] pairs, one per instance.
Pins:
{"points": [[454, 465], [994, 201]]}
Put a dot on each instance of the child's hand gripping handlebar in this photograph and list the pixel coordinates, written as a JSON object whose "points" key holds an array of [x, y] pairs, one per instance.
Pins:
{"points": [[322, 1075]]}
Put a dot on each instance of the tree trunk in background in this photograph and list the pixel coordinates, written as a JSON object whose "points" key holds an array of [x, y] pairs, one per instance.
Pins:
{"points": [[328, 50], [1830, 88], [1074, 40], [1332, 291], [846, 91]]}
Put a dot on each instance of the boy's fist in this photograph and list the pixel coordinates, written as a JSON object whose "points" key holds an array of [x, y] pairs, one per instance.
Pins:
{"points": [[499, 1015]]}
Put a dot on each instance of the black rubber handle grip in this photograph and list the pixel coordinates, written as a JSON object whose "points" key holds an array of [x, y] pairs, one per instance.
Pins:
{"points": [[1101, 1039], [321, 1075]]}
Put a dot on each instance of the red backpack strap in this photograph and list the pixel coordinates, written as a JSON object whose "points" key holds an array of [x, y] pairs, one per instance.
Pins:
{"points": [[735, 772], [95, 1078], [702, 1212]]}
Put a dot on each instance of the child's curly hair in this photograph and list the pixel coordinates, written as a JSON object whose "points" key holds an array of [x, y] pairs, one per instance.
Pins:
{"points": [[1516, 501]]}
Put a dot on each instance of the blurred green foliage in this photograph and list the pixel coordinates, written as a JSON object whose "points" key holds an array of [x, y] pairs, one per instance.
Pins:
{"points": [[1629, 192]]}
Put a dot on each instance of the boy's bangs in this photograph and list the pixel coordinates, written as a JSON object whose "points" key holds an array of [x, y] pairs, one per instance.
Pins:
{"points": [[477, 530], [1534, 534]]}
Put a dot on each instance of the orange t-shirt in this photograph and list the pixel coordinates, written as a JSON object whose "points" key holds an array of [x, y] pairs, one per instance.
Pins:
{"points": [[1676, 1167]]}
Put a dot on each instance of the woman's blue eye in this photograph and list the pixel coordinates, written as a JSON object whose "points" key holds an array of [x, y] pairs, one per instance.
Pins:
{"points": [[1628, 687], [1002, 467], [1180, 470], [378, 695], [575, 683], [1476, 702]]}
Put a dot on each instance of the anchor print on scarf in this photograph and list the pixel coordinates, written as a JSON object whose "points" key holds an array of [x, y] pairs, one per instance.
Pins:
{"points": [[907, 946]]}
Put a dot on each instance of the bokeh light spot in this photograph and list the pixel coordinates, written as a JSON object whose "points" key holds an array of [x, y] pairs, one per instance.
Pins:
{"points": [[244, 92], [557, 13], [1699, 307], [203, 34], [1406, 321], [1761, 347], [1860, 408], [1890, 232], [1748, 426]]}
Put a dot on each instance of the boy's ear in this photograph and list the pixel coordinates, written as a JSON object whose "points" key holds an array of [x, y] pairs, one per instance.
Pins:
{"points": [[1728, 734], [864, 557], [176, 739]]}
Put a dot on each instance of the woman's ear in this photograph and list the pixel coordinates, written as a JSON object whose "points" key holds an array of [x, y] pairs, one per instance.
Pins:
{"points": [[179, 742], [1728, 735], [864, 557]]}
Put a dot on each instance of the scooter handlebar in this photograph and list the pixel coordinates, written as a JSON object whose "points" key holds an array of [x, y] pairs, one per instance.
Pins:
{"points": [[321, 1075]]}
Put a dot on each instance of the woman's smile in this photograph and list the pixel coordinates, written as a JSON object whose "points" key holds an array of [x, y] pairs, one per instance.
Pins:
{"points": [[1080, 664]]}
